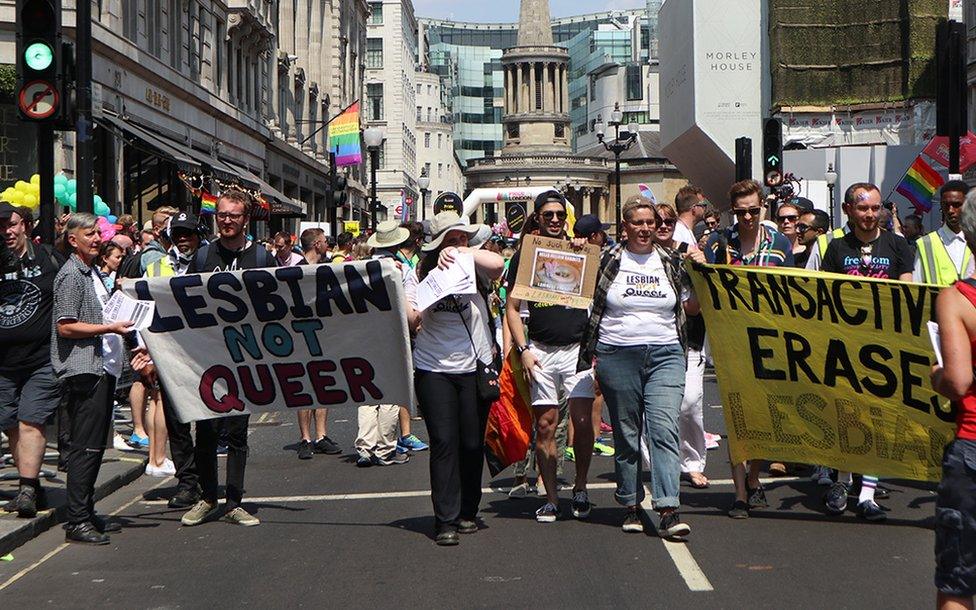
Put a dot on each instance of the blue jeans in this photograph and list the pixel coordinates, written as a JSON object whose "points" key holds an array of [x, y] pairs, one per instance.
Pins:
{"points": [[643, 386]]}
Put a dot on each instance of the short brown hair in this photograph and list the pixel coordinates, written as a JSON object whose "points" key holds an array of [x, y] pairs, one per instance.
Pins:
{"points": [[858, 186], [666, 207], [688, 197], [636, 202], [237, 197], [744, 188], [309, 236]]}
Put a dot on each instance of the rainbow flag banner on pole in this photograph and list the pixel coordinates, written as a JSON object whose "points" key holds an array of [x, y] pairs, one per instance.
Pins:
{"points": [[919, 184], [344, 137]]}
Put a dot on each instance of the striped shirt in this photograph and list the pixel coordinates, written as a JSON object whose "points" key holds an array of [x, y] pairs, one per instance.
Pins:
{"points": [[75, 299], [774, 249]]}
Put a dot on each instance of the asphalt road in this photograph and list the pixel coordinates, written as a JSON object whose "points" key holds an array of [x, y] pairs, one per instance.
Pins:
{"points": [[336, 535]]}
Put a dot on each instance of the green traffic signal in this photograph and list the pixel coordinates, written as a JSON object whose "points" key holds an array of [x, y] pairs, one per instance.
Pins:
{"points": [[39, 56]]}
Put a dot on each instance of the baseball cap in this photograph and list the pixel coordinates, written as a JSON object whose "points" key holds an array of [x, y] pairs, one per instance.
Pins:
{"points": [[184, 220], [8, 209], [550, 196], [588, 224]]}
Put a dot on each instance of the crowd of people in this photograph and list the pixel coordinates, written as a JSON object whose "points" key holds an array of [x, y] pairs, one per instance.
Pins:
{"points": [[638, 354]]}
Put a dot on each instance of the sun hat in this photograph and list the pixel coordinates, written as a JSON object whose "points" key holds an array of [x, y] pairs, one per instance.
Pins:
{"points": [[388, 234], [441, 224], [481, 237]]}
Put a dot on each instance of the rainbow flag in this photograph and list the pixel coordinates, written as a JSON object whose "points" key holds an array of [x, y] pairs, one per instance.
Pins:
{"points": [[920, 184], [344, 137], [208, 203], [510, 420]]}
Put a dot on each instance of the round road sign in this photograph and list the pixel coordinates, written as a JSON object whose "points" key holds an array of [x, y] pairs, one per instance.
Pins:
{"points": [[38, 99]]}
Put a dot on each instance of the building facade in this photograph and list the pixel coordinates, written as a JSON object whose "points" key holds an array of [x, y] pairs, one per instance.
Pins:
{"points": [[436, 158], [192, 94]]}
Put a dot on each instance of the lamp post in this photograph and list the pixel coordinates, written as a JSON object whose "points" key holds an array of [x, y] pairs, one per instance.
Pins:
{"points": [[373, 136], [831, 177], [424, 183], [622, 140]]}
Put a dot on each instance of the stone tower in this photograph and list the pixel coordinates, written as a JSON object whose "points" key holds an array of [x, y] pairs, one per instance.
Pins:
{"points": [[536, 119]]}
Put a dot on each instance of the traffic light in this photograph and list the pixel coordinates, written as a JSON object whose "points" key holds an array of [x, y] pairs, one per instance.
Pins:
{"points": [[39, 54], [339, 196], [67, 115], [772, 152]]}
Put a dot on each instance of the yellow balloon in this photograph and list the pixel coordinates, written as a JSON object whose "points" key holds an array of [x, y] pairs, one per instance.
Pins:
{"points": [[20, 185], [29, 201], [35, 189], [35, 180], [16, 198]]}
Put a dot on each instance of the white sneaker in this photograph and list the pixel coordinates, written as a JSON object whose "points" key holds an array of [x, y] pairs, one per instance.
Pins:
{"points": [[168, 467], [156, 471], [119, 443]]}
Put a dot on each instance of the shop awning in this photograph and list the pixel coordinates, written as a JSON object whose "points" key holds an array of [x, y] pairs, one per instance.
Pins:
{"points": [[163, 147], [281, 204], [224, 172]]}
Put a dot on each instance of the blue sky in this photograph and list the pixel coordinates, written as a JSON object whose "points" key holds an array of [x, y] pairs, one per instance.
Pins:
{"points": [[507, 10]]}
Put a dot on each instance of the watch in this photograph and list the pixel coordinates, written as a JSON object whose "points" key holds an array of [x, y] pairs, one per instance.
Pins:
{"points": [[521, 348]]}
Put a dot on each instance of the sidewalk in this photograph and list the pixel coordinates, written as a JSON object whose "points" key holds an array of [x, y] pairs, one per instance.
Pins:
{"points": [[119, 468]]}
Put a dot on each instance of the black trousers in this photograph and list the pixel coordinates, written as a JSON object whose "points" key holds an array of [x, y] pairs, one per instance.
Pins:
{"points": [[456, 421], [180, 446], [206, 457], [90, 415]]}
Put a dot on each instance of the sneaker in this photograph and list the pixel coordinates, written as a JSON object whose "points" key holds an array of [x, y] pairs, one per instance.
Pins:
{"points": [[821, 476], [412, 443], [870, 511], [168, 467], [120, 444], [581, 504], [602, 449], [739, 510], [519, 491], [156, 471], [547, 513], [570, 454], [836, 498], [671, 526], [757, 497], [305, 450], [24, 503], [467, 526], [85, 533], [327, 446], [139, 442], [364, 461], [632, 523], [605, 427], [201, 511], [448, 537], [396, 458], [239, 516], [184, 498]]}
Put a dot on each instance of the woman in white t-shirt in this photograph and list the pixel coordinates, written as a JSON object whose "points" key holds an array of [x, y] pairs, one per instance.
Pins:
{"points": [[452, 335], [636, 337]]}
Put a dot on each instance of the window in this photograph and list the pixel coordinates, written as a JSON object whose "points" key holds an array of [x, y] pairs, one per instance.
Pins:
{"points": [[430, 114], [427, 140], [635, 82], [153, 26], [375, 13], [430, 89], [440, 138], [218, 67], [175, 34], [130, 19], [427, 169], [374, 52], [420, 112], [374, 101], [419, 86], [440, 170]]}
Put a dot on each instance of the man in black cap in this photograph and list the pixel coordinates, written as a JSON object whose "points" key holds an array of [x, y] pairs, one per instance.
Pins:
{"points": [[549, 358], [589, 227], [29, 391]]}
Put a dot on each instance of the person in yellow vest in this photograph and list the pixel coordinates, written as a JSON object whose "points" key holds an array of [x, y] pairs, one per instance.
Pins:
{"points": [[942, 256], [820, 248], [186, 235]]}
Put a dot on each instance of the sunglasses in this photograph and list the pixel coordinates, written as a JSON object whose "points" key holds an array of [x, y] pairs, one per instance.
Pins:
{"points": [[711, 223], [787, 217], [744, 211], [553, 214], [802, 228], [668, 222]]}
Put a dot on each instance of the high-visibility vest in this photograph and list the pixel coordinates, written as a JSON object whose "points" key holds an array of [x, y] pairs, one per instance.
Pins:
{"points": [[824, 240], [161, 268], [937, 266]]}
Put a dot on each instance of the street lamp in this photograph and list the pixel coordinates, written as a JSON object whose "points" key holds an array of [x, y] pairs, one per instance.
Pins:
{"points": [[424, 183], [831, 177], [622, 140], [373, 136]]}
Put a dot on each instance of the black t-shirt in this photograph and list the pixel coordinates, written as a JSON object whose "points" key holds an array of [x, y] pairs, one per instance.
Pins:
{"points": [[555, 325], [888, 256], [800, 260], [215, 257], [25, 311]]}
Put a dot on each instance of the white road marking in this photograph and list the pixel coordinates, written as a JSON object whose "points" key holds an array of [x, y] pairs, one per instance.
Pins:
{"points": [[681, 556], [424, 493], [65, 545]]}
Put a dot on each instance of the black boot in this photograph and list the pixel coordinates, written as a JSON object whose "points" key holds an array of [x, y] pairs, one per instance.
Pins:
{"points": [[85, 533]]}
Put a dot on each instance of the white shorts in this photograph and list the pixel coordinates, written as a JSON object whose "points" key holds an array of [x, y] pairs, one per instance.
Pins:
{"points": [[558, 375]]}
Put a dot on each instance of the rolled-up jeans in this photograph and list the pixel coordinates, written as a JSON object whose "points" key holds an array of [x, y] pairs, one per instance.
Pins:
{"points": [[644, 383]]}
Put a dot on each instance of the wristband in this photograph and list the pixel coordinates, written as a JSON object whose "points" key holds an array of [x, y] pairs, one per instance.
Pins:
{"points": [[521, 348]]}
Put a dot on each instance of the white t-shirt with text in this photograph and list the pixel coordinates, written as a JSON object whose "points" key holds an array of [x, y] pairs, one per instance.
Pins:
{"points": [[640, 304]]}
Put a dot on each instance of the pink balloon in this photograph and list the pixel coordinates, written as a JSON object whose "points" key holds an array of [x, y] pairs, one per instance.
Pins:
{"points": [[108, 232]]}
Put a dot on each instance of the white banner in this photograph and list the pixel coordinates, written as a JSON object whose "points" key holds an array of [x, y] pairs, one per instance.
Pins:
{"points": [[228, 343]]}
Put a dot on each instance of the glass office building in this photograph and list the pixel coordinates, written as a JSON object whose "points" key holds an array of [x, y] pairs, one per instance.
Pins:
{"points": [[467, 57]]}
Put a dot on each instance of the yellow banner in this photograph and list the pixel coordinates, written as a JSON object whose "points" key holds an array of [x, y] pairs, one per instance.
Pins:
{"points": [[819, 368]]}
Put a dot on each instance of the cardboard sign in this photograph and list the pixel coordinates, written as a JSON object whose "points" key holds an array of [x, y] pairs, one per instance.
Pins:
{"points": [[551, 271]]}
